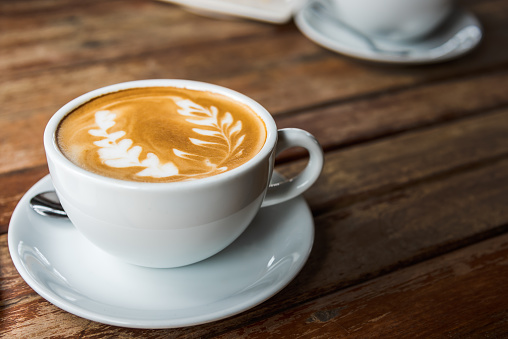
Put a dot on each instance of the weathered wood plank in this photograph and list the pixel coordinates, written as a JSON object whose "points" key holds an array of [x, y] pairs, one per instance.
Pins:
{"points": [[353, 244], [11, 8], [344, 123], [324, 75], [362, 170], [459, 295], [14, 186], [104, 30], [212, 62], [108, 30]]}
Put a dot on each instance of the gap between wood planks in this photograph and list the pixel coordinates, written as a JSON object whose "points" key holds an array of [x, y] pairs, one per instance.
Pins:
{"points": [[397, 304], [478, 73]]}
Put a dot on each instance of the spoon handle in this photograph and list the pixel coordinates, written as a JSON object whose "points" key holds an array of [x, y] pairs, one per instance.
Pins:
{"points": [[48, 204]]}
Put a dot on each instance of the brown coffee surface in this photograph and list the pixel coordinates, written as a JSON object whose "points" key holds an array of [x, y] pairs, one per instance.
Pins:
{"points": [[161, 134]]}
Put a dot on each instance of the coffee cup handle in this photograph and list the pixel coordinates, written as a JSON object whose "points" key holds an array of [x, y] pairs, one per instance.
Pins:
{"points": [[290, 188]]}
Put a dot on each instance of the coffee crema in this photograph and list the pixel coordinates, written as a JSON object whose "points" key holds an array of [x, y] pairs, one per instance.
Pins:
{"points": [[161, 134]]}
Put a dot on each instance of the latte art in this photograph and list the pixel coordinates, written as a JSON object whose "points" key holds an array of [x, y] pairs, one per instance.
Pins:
{"points": [[121, 154], [161, 134]]}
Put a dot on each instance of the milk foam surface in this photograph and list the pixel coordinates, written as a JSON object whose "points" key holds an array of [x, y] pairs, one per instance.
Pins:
{"points": [[161, 134]]}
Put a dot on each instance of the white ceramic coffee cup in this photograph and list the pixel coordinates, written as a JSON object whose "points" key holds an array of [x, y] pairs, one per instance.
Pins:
{"points": [[396, 20], [178, 223]]}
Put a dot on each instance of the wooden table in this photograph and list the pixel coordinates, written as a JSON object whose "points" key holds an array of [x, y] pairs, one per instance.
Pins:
{"points": [[411, 211]]}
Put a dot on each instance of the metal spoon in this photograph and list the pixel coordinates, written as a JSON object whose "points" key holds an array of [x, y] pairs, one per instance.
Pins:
{"points": [[48, 205]]}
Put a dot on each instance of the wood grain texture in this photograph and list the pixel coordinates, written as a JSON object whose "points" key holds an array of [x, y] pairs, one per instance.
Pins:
{"points": [[459, 295], [289, 73], [14, 186], [410, 211], [102, 31], [342, 123], [362, 170], [353, 244]]}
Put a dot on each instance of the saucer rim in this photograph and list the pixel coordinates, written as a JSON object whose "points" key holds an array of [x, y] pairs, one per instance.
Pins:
{"points": [[365, 54], [217, 314]]}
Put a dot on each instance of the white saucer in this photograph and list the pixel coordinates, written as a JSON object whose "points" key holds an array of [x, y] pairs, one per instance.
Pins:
{"points": [[68, 271], [452, 40]]}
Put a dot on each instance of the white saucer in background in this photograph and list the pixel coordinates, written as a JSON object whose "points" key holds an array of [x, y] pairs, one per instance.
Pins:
{"points": [[453, 39], [68, 271]]}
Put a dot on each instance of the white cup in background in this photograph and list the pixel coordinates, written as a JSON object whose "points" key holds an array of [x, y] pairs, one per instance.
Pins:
{"points": [[396, 20]]}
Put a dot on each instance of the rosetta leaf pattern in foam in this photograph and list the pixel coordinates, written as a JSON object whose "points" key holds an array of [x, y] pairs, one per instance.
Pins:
{"points": [[213, 132], [121, 154], [218, 133]]}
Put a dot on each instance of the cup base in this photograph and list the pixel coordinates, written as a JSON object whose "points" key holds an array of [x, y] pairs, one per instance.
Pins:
{"points": [[163, 248]]}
